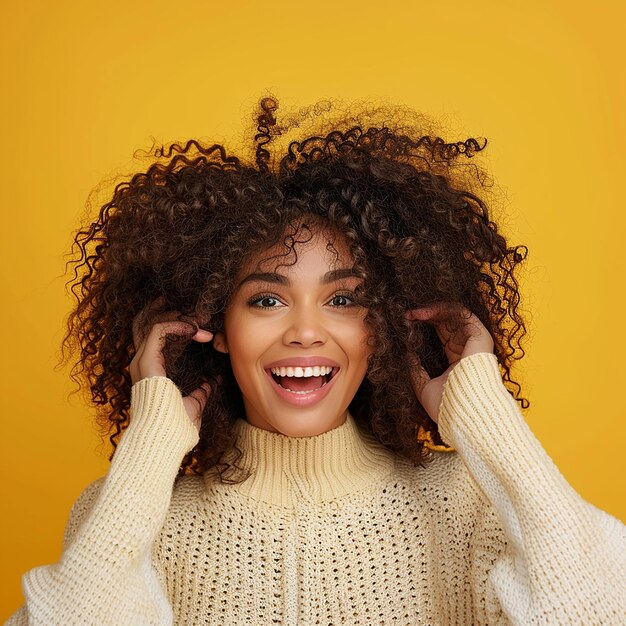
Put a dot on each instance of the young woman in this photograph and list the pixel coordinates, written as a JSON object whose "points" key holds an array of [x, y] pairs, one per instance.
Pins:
{"points": [[302, 363]]}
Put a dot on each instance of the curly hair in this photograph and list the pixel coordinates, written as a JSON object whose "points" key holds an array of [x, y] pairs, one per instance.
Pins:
{"points": [[412, 212]]}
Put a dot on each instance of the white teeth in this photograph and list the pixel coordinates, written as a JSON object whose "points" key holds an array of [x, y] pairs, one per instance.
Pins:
{"points": [[300, 372], [301, 392]]}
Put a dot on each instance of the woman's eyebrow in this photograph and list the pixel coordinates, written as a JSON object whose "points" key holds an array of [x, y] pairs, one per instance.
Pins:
{"points": [[280, 279]]}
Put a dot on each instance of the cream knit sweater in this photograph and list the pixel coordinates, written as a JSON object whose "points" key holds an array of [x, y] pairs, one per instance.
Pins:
{"points": [[336, 529]]}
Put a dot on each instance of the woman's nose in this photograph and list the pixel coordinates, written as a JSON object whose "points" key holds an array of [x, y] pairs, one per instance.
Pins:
{"points": [[305, 328]]}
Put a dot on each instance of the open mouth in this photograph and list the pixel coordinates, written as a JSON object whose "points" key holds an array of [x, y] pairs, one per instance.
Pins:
{"points": [[303, 380]]}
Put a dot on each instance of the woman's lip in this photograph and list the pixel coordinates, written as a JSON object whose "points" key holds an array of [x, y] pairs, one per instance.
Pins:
{"points": [[301, 399]]}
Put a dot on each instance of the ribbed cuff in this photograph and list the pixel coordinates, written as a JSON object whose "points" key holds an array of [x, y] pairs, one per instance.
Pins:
{"points": [[472, 378], [148, 457], [159, 415]]}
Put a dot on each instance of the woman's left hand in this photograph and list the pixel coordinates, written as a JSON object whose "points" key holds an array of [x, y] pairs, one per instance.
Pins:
{"points": [[471, 337]]}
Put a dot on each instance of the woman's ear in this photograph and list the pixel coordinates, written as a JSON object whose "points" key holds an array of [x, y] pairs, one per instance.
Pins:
{"points": [[219, 342]]}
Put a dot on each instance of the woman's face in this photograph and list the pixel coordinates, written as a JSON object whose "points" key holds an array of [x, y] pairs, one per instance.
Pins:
{"points": [[298, 344]]}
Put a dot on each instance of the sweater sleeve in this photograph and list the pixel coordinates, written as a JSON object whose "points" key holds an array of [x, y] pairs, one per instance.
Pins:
{"points": [[543, 555], [105, 575]]}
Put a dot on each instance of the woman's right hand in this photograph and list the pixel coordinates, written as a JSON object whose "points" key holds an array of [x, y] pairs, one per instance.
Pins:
{"points": [[149, 361]]}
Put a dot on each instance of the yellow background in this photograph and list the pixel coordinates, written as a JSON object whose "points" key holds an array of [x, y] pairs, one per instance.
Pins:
{"points": [[85, 84]]}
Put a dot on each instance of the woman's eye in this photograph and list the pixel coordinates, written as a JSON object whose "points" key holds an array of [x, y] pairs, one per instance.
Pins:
{"points": [[341, 301], [265, 302]]}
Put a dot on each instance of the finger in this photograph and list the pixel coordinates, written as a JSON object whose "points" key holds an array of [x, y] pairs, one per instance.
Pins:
{"points": [[436, 311], [424, 312], [419, 375], [203, 336], [160, 330], [444, 316], [419, 314], [141, 364], [139, 321], [166, 316], [440, 315], [435, 315], [465, 334], [201, 395], [151, 361], [195, 402]]}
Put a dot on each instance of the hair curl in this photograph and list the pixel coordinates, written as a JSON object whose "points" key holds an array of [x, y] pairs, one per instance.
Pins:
{"points": [[413, 214]]}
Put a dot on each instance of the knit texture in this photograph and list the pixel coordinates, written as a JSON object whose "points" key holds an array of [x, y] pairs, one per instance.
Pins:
{"points": [[336, 529]]}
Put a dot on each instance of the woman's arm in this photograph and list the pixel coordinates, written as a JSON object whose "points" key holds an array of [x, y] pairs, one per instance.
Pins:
{"points": [[104, 575], [556, 559], [80, 509]]}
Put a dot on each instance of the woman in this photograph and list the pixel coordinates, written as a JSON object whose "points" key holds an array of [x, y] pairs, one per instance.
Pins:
{"points": [[299, 361]]}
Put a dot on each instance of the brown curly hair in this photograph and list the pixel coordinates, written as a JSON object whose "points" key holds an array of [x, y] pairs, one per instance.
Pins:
{"points": [[413, 213]]}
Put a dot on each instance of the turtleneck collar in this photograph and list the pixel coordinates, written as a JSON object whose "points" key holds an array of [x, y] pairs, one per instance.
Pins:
{"points": [[291, 470]]}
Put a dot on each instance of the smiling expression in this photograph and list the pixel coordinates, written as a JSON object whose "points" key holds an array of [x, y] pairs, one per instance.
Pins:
{"points": [[297, 341]]}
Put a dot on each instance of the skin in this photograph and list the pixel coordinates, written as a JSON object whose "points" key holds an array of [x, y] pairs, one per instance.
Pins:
{"points": [[149, 361], [471, 337], [305, 318]]}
